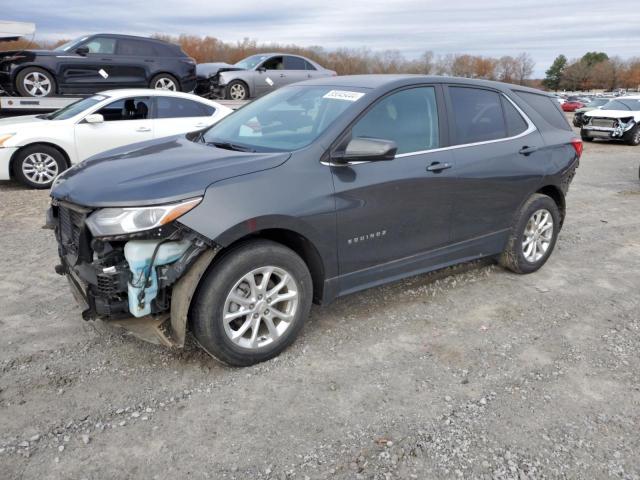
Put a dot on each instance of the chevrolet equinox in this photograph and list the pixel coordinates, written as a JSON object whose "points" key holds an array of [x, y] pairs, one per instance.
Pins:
{"points": [[315, 191]]}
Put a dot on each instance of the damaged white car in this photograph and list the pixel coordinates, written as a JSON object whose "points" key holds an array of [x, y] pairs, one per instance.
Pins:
{"points": [[617, 120]]}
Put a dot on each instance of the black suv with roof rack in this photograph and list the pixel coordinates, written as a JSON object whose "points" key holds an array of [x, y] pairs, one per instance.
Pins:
{"points": [[98, 62], [314, 191]]}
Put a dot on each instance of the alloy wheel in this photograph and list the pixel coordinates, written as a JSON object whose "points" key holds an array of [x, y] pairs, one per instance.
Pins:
{"points": [[237, 92], [260, 307], [538, 235], [40, 168], [165, 83], [37, 84]]}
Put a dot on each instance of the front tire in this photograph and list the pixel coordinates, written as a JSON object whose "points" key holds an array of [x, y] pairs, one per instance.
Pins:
{"points": [[35, 82], [252, 304], [632, 137], [533, 236], [237, 90], [37, 166]]}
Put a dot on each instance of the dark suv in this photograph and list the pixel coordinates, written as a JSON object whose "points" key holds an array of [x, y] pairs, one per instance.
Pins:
{"points": [[97, 62], [317, 190]]}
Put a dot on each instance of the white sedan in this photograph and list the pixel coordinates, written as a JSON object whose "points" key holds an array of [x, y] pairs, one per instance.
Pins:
{"points": [[619, 119], [34, 149]]}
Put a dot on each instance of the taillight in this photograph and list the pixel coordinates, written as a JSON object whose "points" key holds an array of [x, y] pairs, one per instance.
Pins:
{"points": [[577, 145]]}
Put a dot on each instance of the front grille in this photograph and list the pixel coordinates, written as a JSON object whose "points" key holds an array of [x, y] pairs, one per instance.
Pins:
{"points": [[603, 122], [71, 224]]}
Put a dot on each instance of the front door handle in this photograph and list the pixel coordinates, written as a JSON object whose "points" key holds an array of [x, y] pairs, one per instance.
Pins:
{"points": [[282, 75], [200, 125], [527, 150], [143, 129], [438, 167]]}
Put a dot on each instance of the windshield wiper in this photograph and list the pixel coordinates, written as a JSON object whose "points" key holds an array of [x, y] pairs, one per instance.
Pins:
{"points": [[230, 146]]}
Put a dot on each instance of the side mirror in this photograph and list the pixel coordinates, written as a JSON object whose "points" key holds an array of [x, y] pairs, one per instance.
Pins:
{"points": [[83, 51], [364, 149], [261, 69], [94, 118]]}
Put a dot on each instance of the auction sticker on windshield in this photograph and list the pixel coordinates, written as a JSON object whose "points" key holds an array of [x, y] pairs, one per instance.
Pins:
{"points": [[344, 95]]}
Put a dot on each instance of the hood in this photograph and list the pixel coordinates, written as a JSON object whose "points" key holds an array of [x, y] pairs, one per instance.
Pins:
{"points": [[586, 109], [156, 171], [208, 70], [29, 53], [6, 124], [613, 113]]}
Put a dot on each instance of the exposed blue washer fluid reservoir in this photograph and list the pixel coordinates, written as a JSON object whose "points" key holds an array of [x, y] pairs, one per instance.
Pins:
{"points": [[138, 253]]}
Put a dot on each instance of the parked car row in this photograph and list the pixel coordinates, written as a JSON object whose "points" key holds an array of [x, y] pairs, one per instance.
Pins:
{"points": [[314, 191]]}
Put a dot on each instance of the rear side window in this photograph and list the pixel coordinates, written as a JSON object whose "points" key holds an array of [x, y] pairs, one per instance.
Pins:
{"points": [[547, 108], [294, 63], [136, 48], [168, 107], [308, 65], [408, 117], [477, 115], [515, 123]]}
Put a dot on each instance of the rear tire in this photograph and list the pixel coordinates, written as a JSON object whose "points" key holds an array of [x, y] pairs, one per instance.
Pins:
{"points": [[37, 166], [533, 236], [632, 137], [164, 81], [35, 82], [246, 279]]}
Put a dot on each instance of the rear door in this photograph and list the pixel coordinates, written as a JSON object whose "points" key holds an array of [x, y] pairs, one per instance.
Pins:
{"points": [[126, 121], [92, 72], [133, 61], [499, 157], [175, 115], [295, 69], [391, 212]]}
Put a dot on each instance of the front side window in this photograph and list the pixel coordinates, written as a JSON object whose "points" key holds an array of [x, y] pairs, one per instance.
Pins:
{"points": [[168, 107], [477, 115], [101, 45], [274, 63], [135, 108], [408, 117], [288, 119]]}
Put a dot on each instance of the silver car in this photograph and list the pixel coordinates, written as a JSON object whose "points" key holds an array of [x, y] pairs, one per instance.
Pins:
{"points": [[255, 75]]}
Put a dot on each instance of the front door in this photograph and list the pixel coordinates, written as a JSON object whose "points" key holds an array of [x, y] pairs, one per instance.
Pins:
{"points": [[270, 75], [93, 71], [126, 121], [390, 214]]}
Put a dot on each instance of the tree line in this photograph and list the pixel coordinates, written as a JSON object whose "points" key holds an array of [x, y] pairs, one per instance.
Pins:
{"points": [[594, 70]]}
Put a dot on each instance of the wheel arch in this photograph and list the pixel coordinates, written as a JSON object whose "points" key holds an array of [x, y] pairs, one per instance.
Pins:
{"points": [[14, 156], [244, 82], [16, 72], [557, 196]]}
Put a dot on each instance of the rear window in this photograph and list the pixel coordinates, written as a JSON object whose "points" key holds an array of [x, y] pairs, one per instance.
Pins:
{"points": [[547, 108]]}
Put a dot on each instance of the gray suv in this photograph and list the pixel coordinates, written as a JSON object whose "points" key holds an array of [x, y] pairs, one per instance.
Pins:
{"points": [[315, 191]]}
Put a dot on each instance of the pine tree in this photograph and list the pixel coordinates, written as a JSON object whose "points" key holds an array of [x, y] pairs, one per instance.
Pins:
{"points": [[554, 74]]}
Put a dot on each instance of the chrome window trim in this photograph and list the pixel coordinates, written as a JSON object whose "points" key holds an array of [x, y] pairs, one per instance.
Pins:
{"points": [[530, 129]]}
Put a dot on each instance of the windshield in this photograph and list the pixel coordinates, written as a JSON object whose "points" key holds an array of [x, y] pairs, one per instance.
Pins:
{"points": [[75, 108], [287, 119], [70, 45], [623, 104], [597, 103], [251, 62]]}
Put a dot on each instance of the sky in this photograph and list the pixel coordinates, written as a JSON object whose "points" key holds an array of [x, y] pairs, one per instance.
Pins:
{"points": [[544, 28]]}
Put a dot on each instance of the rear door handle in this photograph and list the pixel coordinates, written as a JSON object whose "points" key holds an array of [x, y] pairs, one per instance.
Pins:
{"points": [[527, 150], [438, 167], [282, 75], [143, 129]]}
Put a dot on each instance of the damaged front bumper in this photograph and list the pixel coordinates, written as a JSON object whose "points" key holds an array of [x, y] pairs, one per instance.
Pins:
{"points": [[608, 128], [143, 282]]}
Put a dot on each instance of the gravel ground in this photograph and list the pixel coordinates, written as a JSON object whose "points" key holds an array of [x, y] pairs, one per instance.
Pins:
{"points": [[470, 373]]}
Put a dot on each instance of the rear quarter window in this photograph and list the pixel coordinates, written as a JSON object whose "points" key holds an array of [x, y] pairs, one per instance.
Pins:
{"points": [[547, 108]]}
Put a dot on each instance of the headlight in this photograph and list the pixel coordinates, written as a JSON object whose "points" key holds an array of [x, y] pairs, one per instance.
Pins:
{"points": [[119, 221], [4, 137]]}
